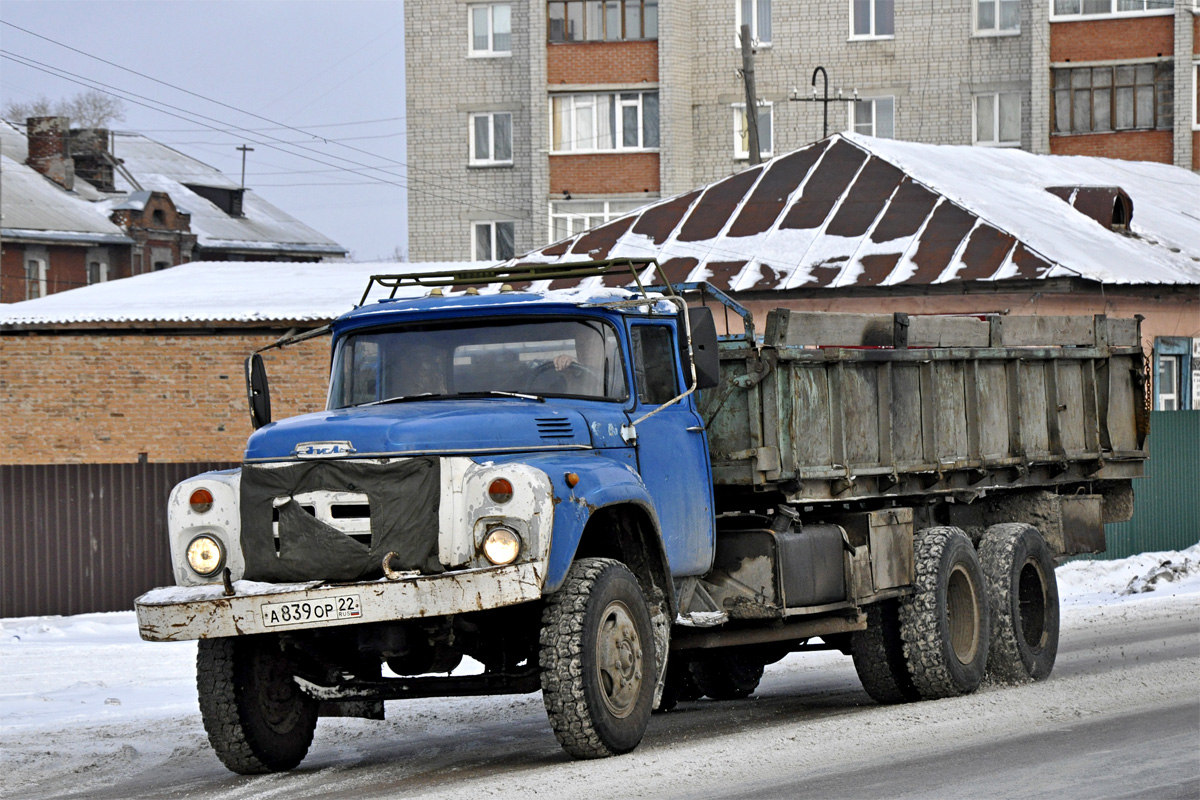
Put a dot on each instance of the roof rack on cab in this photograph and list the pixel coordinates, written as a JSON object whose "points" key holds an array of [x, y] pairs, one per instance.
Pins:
{"points": [[522, 273]]}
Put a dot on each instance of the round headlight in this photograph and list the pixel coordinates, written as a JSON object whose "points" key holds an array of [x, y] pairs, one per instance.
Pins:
{"points": [[201, 500], [502, 546], [205, 555]]}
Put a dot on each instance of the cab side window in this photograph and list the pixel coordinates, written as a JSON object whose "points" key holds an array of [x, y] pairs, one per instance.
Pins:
{"points": [[654, 363]]}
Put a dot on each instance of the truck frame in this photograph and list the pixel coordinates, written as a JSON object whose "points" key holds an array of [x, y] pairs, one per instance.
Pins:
{"points": [[595, 494]]}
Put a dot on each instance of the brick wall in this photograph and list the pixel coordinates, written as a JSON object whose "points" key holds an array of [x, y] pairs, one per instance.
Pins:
{"points": [[602, 62], [107, 397], [1196, 150], [604, 173], [1112, 39], [1128, 145]]}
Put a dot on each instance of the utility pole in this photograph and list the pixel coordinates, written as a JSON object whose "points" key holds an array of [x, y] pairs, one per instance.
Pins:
{"points": [[244, 150], [751, 100]]}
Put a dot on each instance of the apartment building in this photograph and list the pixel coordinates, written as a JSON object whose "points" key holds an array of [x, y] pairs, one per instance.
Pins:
{"points": [[532, 121]]}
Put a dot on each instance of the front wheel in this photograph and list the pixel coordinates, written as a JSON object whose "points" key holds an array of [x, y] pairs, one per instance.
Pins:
{"points": [[257, 718], [1023, 594], [597, 660]]}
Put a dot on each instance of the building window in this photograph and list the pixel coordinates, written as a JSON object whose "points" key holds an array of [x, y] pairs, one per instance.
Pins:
{"points": [[997, 16], [998, 120], [741, 133], [1168, 383], [1086, 8], [569, 217], [756, 14], [491, 29], [1117, 98], [97, 272], [1196, 95], [35, 278], [584, 123], [602, 20], [491, 139], [874, 116], [493, 241], [871, 19]]}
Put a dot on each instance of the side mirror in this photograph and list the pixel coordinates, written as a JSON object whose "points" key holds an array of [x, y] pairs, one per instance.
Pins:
{"points": [[704, 348], [257, 391]]}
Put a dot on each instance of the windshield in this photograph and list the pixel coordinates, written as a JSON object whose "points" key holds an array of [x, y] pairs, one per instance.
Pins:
{"points": [[572, 358]]}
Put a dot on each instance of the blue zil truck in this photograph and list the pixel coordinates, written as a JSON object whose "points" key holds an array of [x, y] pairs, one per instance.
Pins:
{"points": [[628, 497]]}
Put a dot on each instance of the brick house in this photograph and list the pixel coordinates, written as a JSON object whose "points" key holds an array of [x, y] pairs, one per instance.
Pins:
{"points": [[542, 120], [83, 206]]}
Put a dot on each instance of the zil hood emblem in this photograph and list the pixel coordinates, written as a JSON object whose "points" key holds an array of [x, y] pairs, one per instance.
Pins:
{"points": [[323, 449]]}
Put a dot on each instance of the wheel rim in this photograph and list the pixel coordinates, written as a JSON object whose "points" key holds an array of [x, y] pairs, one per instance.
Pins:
{"points": [[1031, 603], [962, 613], [618, 660]]}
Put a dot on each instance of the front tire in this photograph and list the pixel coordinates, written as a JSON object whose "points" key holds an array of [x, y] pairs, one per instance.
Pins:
{"points": [[597, 660], [257, 718], [944, 623], [1023, 595]]}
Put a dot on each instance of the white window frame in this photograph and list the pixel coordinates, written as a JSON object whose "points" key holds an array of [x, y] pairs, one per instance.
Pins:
{"points": [[490, 160], [851, 122], [490, 51], [739, 114], [994, 98], [995, 30], [756, 39], [1055, 16], [492, 227], [34, 264], [616, 99], [578, 222], [1171, 362], [872, 36], [1196, 91]]}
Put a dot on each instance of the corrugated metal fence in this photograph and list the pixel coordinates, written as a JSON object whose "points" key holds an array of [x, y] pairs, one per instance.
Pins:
{"points": [[76, 538], [1166, 505], [91, 537]]}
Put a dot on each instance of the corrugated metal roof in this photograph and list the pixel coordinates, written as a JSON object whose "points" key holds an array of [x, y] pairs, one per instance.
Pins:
{"points": [[35, 207], [858, 211], [221, 291], [157, 167]]}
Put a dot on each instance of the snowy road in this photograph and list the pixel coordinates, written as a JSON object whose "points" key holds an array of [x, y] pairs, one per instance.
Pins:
{"points": [[87, 711]]}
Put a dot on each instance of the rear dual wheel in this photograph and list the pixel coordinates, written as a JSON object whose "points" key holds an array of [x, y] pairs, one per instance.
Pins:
{"points": [[1023, 595]]}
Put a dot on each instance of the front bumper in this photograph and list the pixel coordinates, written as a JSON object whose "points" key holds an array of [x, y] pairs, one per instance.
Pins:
{"points": [[177, 613]]}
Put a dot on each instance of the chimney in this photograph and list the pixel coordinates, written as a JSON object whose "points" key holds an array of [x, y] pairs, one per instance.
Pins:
{"points": [[48, 149], [89, 150]]}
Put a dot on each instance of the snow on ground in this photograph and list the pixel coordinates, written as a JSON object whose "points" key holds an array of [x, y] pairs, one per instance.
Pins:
{"points": [[85, 687]]}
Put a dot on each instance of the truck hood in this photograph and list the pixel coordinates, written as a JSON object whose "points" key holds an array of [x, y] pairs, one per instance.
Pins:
{"points": [[438, 426]]}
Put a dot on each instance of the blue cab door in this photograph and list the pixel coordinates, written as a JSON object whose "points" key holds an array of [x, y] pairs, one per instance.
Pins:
{"points": [[672, 451]]}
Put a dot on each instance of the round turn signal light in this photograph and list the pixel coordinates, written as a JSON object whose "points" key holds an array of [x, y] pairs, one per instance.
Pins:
{"points": [[201, 501], [501, 491]]}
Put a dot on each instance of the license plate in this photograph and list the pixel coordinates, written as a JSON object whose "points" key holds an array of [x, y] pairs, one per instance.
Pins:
{"points": [[342, 606]]}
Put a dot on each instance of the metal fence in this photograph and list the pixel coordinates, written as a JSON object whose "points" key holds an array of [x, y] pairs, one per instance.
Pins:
{"points": [[1166, 506], [76, 538]]}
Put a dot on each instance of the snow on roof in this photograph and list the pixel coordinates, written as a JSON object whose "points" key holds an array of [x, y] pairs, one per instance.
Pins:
{"points": [[222, 291], [858, 211], [262, 226], [44, 206], [36, 208]]}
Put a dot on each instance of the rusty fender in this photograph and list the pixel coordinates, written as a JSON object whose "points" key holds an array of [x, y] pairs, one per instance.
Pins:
{"points": [[169, 614]]}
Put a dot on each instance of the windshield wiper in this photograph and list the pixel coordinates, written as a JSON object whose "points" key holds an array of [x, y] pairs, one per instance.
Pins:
{"points": [[409, 398]]}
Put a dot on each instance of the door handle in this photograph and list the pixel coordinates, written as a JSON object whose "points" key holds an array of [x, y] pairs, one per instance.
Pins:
{"points": [[696, 429]]}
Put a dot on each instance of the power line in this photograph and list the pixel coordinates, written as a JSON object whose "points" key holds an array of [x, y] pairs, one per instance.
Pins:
{"points": [[277, 144], [275, 128], [248, 113]]}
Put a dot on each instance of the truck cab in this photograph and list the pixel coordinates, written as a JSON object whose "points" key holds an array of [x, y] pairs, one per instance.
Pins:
{"points": [[474, 451]]}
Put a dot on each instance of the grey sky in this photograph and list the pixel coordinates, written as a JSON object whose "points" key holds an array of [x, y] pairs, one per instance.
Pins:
{"points": [[331, 68]]}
